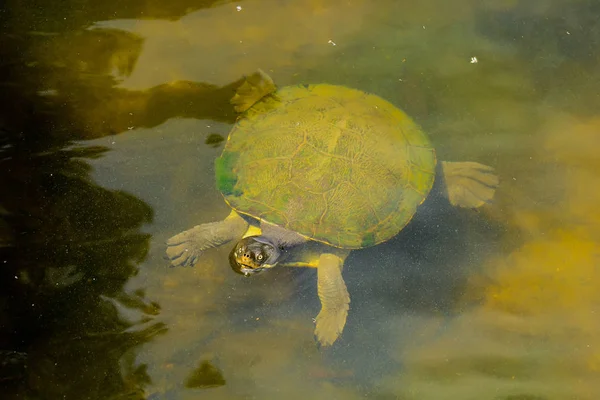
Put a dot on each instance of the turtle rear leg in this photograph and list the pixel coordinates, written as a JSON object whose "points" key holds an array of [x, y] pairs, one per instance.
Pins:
{"points": [[185, 248], [334, 297], [469, 184], [254, 88]]}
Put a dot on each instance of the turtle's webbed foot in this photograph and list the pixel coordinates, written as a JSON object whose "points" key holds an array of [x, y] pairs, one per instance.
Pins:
{"points": [[334, 300], [469, 184], [254, 88], [329, 326], [185, 248]]}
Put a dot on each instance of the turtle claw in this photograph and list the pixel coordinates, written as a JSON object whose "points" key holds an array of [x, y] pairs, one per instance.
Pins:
{"points": [[183, 250], [181, 256], [334, 297]]}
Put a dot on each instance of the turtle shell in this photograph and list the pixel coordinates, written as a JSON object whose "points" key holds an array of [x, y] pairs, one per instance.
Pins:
{"points": [[332, 163]]}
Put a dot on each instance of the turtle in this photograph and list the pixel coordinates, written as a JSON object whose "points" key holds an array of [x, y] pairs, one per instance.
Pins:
{"points": [[312, 172]]}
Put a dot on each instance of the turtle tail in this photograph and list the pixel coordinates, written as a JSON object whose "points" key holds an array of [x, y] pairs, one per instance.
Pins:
{"points": [[254, 88]]}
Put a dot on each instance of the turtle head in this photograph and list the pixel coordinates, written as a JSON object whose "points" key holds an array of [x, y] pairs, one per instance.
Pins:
{"points": [[253, 254]]}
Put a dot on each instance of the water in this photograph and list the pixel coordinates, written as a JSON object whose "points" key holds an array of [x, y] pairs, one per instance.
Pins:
{"points": [[104, 155]]}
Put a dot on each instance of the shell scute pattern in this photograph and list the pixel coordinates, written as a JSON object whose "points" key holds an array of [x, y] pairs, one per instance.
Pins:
{"points": [[332, 163]]}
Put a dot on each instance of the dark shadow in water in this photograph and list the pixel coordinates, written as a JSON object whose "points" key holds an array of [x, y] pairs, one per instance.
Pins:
{"points": [[44, 16], [68, 246], [205, 376], [81, 87]]}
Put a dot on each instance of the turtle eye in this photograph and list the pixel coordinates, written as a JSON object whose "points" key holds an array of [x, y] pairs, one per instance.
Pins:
{"points": [[259, 257]]}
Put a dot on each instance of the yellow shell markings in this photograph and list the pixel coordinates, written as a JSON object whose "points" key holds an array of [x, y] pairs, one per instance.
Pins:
{"points": [[334, 164]]}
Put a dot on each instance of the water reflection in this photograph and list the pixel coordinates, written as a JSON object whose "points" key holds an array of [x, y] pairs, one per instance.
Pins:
{"points": [[506, 307], [68, 245], [73, 242]]}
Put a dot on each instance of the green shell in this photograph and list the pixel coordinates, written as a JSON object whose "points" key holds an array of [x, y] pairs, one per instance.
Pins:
{"points": [[334, 164]]}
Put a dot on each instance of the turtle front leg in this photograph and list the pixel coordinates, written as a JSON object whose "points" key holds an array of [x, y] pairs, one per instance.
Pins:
{"points": [[334, 297], [469, 184], [185, 248]]}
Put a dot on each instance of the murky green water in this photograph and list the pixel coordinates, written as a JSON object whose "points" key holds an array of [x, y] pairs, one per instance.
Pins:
{"points": [[111, 120]]}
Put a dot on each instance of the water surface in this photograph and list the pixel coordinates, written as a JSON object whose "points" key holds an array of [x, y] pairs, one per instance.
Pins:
{"points": [[107, 141]]}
